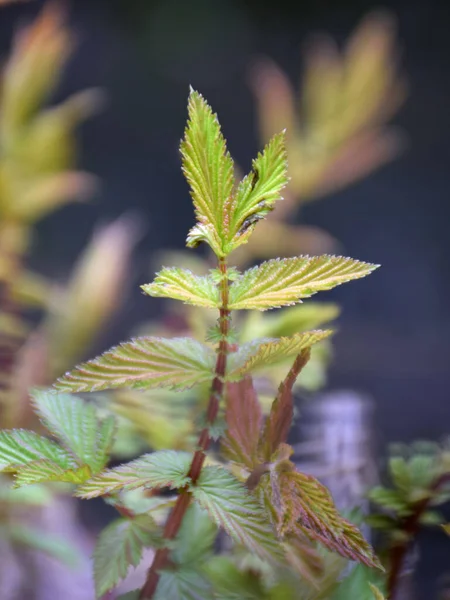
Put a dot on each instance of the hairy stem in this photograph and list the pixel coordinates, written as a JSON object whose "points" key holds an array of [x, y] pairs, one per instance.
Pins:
{"points": [[411, 528], [175, 518]]}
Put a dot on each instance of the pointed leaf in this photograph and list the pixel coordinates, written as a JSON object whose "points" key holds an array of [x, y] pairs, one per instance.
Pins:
{"points": [[260, 353], [231, 506], [120, 547], [46, 470], [77, 425], [146, 362], [209, 171], [279, 421], [20, 447], [258, 191], [281, 282], [182, 284], [166, 468], [298, 502], [244, 421], [183, 584]]}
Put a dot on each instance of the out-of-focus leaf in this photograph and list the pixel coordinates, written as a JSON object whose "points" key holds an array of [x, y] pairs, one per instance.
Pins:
{"points": [[41, 540]]}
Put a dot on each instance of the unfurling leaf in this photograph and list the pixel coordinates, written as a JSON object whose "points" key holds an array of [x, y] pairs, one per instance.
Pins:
{"points": [[279, 421], [120, 547], [209, 170], [298, 502], [182, 284], [146, 362], [258, 191], [244, 421], [283, 282], [166, 468], [260, 353], [230, 505], [76, 423]]}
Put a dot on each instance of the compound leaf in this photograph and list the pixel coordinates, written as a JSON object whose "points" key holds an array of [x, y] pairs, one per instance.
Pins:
{"points": [[76, 423], [19, 448], [230, 505], [209, 170], [166, 468], [145, 362], [120, 546], [253, 355], [182, 284], [244, 420], [282, 282]]}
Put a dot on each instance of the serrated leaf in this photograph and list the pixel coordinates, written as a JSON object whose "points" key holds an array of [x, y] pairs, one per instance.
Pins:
{"points": [[258, 191], [146, 362], [182, 284], [299, 502], [209, 170], [231, 506], [194, 542], [120, 547], [260, 353], [46, 470], [166, 468], [244, 421], [76, 423], [282, 282], [183, 584], [279, 421], [20, 447]]}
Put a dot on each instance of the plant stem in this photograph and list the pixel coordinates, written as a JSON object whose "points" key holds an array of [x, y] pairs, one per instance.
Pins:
{"points": [[410, 527], [175, 518]]}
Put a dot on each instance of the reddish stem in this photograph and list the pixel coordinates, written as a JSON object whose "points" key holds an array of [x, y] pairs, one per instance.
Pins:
{"points": [[175, 519]]}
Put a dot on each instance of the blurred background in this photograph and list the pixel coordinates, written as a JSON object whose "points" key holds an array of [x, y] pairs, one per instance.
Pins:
{"points": [[369, 157]]}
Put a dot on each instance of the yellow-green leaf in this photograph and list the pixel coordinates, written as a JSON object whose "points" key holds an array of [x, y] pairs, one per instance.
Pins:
{"points": [[281, 282], [254, 355], [209, 170], [182, 284], [146, 362]]}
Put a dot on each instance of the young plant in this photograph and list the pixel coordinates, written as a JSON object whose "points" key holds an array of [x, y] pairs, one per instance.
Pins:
{"points": [[420, 477], [248, 486]]}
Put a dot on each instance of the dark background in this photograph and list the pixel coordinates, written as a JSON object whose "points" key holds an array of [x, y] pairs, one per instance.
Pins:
{"points": [[395, 329]]}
